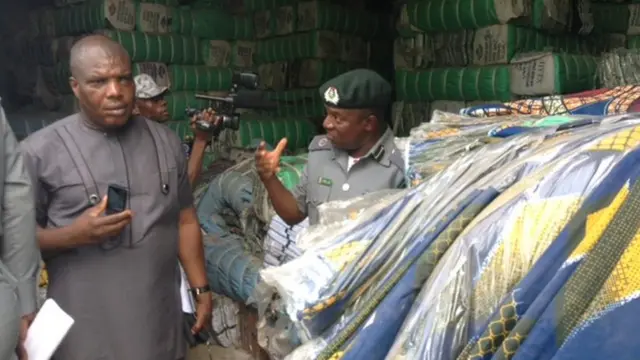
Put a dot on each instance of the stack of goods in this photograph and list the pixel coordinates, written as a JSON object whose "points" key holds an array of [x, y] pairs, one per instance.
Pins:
{"points": [[238, 240], [301, 44], [189, 50], [240, 144], [616, 21], [280, 242], [450, 54], [519, 248]]}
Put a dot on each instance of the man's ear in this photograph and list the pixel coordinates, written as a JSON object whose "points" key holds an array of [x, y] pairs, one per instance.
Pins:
{"points": [[370, 123], [74, 86]]}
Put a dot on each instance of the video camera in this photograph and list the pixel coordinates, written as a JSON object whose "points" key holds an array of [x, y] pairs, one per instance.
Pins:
{"points": [[243, 95]]}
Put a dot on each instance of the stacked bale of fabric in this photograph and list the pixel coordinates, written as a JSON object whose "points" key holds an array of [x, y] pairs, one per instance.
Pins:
{"points": [[304, 43], [519, 247], [616, 24], [450, 54]]}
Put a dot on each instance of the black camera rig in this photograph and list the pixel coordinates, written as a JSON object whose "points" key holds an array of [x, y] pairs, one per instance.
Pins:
{"points": [[244, 94]]}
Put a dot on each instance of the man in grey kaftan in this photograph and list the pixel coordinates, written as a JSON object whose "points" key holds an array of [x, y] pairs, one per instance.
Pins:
{"points": [[116, 275], [19, 257]]}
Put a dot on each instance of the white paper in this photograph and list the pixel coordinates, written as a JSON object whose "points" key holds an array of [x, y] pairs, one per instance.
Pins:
{"points": [[187, 302], [47, 331]]}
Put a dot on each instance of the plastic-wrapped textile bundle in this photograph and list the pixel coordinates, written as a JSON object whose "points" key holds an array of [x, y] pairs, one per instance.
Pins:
{"points": [[545, 283], [280, 242], [384, 296], [436, 145], [343, 272], [618, 100], [231, 270], [619, 67]]}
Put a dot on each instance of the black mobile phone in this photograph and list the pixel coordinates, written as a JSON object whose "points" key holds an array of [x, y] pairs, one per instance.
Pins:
{"points": [[116, 199]]}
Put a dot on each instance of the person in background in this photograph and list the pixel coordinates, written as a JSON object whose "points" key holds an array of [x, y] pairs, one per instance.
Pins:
{"points": [[19, 253], [355, 157], [150, 103], [115, 272]]}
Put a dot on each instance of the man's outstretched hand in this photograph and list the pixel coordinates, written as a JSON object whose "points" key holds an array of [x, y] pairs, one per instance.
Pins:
{"points": [[268, 162]]}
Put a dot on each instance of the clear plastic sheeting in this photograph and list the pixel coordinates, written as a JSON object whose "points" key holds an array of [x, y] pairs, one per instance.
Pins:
{"points": [[427, 272], [469, 304], [619, 67], [436, 145], [329, 289]]}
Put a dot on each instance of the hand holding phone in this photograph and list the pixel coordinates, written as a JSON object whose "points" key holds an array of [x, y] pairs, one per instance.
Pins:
{"points": [[95, 224], [117, 198]]}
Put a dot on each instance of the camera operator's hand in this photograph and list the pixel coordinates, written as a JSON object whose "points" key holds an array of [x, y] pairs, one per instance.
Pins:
{"points": [[93, 226], [208, 115], [268, 162]]}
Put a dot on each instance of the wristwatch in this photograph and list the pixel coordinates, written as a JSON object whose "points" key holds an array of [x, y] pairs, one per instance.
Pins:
{"points": [[200, 290]]}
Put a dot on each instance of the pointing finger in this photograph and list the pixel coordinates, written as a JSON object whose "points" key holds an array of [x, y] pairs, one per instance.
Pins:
{"points": [[281, 146]]}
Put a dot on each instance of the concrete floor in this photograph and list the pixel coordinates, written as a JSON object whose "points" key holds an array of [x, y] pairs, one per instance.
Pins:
{"points": [[217, 353]]}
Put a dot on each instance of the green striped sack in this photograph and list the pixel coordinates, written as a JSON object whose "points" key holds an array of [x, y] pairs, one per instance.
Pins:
{"points": [[170, 48], [200, 78], [178, 101], [449, 15], [308, 73], [314, 44], [203, 23], [461, 84], [321, 15], [95, 15]]}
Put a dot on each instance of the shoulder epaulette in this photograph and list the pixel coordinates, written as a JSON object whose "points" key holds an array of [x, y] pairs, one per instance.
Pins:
{"points": [[320, 143]]}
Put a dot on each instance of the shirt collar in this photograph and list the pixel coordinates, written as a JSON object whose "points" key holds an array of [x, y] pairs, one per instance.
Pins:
{"points": [[380, 152]]}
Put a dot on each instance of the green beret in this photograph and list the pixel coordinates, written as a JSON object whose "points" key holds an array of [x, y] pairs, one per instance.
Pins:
{"points": [[357, 89]]}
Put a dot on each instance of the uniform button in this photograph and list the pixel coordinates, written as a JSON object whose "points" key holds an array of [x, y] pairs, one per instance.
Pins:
{"points": [[345, 187]]}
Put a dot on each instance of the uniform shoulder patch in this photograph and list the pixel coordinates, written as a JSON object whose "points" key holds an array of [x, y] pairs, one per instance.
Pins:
{"points": [[320, 143]]}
